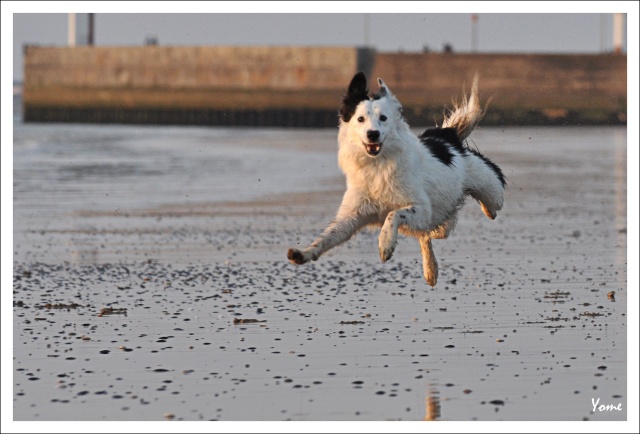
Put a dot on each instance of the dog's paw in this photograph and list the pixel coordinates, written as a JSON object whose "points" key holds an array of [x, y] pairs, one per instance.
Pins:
{"points": [[488, 212], [385, 255], [296, 256], [386, 243], [431, 277], [386, 246], [388, 237]]}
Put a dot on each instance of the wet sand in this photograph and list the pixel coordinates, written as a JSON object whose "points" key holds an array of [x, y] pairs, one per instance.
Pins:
{"points": [[151, 282]]}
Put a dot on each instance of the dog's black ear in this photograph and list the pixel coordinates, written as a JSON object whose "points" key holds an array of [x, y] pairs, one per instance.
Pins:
{"points": [[356, 92], [358, 86]]}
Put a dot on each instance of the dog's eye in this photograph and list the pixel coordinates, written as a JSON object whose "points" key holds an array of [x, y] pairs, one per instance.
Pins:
{"points": [[383, 118], [361, 119]]}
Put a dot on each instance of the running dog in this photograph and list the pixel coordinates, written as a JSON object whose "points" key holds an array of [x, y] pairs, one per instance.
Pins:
{"points": [[405, 183]]}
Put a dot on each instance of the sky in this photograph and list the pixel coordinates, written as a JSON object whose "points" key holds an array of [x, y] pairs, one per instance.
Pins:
{"points": [[565, 32]]}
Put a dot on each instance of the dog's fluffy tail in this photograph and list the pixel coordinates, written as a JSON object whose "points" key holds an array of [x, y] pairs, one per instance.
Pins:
{"points": [[465, 116]]}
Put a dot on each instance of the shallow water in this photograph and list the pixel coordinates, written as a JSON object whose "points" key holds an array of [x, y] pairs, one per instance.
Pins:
{"points": [[184, 230]]}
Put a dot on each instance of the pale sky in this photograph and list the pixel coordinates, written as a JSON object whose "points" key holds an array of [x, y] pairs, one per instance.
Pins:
{"points": [[495, 32]]}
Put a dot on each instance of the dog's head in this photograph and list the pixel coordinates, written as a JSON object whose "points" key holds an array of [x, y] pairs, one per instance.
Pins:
{"points": [[369, 117]]}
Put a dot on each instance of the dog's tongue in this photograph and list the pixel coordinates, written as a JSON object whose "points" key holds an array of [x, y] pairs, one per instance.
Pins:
{"points": [[373, 148]]}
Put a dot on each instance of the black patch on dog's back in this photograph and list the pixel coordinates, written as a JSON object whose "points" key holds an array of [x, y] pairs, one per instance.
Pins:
{"points": [[439, 142], [448, 135]]}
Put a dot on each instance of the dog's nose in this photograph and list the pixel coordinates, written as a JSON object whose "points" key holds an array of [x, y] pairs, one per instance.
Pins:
{"points": [[373, 135]]}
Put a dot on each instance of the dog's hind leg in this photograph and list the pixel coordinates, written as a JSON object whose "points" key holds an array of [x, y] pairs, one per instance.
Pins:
{"points": [[489, 204], [429, 263], [443, 231], [485, 183], [338, 231]]}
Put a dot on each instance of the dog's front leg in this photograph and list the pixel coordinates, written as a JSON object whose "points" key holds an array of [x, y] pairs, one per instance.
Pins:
{"points": [[429, 263], [415, 218], [336, 233]]}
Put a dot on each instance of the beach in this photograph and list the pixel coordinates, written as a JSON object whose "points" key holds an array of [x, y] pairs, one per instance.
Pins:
{"points": [[150, 282]]}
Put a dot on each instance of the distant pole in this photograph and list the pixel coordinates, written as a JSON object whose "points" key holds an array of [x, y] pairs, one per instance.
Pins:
{"points": [[71, 30], [618, 30], [80, 29], [90, 36], [474, 33]]}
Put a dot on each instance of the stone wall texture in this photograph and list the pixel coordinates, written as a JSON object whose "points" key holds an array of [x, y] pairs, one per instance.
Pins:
{"points": [[302, 86]]}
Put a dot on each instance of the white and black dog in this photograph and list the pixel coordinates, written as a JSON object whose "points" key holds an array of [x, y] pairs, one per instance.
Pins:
{"points": [[401, 182]]}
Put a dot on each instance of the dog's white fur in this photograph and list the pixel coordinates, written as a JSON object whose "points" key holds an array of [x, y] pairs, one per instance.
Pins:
{"points": [[396, 183]]}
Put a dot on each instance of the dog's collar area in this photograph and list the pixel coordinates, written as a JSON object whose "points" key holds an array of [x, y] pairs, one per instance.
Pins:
{"points": [[373, 149]]}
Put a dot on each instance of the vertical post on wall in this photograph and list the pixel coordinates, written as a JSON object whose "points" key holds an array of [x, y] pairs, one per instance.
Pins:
{"points": [[80, 29], [90, 36], [71, 30], [618, 31], [474, 33]]}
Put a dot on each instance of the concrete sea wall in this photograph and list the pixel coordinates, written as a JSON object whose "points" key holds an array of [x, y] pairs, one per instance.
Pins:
{"points": [[524, 88], [302, 86]]}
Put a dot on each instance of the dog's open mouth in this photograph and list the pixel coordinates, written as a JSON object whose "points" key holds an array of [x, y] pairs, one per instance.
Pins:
{"points": [[373, 149]]}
